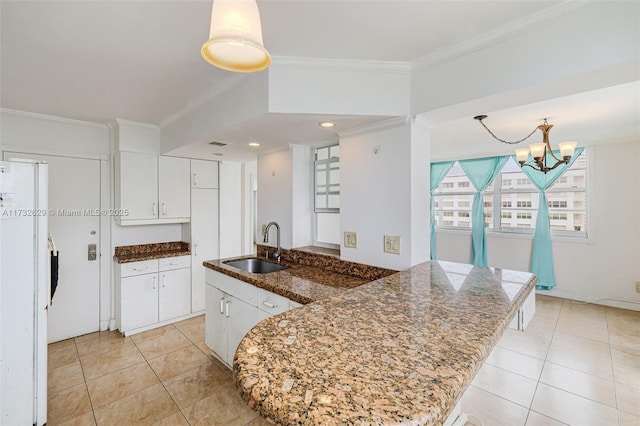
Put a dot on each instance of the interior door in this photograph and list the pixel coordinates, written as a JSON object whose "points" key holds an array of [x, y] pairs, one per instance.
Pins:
{"points": [[74, 222]]}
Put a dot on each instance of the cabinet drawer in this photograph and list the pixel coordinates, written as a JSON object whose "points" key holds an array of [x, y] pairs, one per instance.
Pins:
{"points": [[232, 286], [271, 302], [138, 268], [177, 262]]}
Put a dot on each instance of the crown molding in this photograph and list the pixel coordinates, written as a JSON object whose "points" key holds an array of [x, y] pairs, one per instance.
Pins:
{"points": [[345, 64], [502, 33], [54, 118], [137, 123], [375, 127]]}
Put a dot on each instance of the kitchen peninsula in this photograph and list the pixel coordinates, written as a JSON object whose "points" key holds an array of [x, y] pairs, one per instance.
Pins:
{"points": [[399, 350]]}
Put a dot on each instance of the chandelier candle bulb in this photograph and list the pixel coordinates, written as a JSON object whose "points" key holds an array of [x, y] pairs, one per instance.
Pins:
{"points": [[522, 155], [537, 150], [567, 149]]}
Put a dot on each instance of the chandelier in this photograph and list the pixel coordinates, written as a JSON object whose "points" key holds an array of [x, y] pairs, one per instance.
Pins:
{"points": [[235, 38], [538, 151]]}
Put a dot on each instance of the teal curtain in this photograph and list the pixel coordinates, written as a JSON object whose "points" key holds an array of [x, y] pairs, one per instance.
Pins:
{"points": [[481, 172], [542, 255], [438, 172]]}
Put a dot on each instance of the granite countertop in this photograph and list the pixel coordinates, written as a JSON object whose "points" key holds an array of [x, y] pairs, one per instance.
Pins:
{"points": [[399, 350], [141, 252], [300, 283], [310, 275]]}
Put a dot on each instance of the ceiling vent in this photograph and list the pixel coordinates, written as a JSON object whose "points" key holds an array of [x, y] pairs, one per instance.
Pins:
{"points": [[218, 143]]}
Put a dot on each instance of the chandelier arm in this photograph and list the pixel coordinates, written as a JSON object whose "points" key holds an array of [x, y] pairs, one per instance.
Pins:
{"points": [[507, 142], [556, 158]]}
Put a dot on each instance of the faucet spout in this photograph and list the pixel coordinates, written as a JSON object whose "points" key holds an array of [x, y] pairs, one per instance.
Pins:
{"points": [[278, 254]]}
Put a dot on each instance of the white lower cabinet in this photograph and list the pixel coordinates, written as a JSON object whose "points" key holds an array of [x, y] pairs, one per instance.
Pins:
{"points": [[525, 313], [152, 293], [234, 307]]}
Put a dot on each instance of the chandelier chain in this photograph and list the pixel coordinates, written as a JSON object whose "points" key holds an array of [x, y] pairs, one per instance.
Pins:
{"points": [[510, 142]]}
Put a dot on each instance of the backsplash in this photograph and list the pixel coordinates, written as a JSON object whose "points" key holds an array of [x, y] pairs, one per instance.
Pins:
{"points": [[138, 252], [328, 262]]}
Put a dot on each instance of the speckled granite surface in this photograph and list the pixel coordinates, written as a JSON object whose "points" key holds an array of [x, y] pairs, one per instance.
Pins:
{"points": [[300, 283], [328, 262], [140, 252], [400, 350]]}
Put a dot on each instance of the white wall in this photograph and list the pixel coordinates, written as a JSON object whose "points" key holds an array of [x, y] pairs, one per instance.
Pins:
{"points": [[301, 197], [602, 268], [375, 194], [275, 195], [339, 87]]}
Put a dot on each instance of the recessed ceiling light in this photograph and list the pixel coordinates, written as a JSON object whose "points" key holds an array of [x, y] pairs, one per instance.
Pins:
{"points": [[254, 144], [326, 124]]}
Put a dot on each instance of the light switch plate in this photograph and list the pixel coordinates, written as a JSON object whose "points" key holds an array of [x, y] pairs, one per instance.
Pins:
{"points": [[351, 239], [392, 244]]}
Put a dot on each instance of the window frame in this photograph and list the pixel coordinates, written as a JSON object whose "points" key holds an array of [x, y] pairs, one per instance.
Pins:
{"points": [[330, 160], [498, 208]]}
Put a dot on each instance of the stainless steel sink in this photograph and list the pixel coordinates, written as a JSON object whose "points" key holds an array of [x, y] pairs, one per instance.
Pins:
{"points": [[256, 266]]}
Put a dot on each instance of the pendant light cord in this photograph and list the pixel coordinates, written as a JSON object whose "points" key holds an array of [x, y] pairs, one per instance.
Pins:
{"points": [[508, 142]]}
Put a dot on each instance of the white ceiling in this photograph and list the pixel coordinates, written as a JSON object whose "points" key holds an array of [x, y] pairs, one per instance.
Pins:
{"points": [[140, 60]]}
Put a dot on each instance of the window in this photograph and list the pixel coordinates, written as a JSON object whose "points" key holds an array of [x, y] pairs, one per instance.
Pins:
{"points": [[453, 200], [514, 200], [326, 167], [327, 182]]}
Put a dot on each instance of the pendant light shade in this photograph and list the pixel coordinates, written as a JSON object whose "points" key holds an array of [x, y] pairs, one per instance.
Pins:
{"points": [[235, 40]]}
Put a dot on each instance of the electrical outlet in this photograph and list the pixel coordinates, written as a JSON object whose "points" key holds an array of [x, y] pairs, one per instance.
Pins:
{"points": [[638, 286], [392, 244], [351, 239]]}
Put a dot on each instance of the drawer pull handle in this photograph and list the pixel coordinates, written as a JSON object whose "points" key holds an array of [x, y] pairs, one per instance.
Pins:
{"points": [[155, 281], [141, 269], [164, 210], [227, 307], [175, 263], [222, 305], [155, 212], [269, 304]]}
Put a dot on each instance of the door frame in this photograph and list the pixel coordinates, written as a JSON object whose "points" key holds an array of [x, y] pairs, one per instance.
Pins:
{"points": [[105, 265]]}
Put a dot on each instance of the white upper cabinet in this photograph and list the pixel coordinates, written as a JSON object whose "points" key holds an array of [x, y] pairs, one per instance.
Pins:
{"points": [[152, 189], [138, 186], [204, 174], [174, 192]]}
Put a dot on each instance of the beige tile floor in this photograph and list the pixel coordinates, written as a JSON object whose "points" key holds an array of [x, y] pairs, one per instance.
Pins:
{"points": [[576, 364], [160, 377]]}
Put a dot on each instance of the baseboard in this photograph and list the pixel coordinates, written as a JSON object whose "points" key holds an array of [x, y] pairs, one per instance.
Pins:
{"points": [[597, 300]]}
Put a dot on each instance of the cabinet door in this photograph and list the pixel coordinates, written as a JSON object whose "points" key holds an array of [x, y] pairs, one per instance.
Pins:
{"points": [[175, 293], [215, 328], [204, 240], [139, 301], [242, 317], [204, 174], [139, 185], [174, 189]]}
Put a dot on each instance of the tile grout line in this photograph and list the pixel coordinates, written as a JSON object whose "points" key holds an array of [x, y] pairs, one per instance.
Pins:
{"points": [[546, 355], [613, 373], [86, 386], [161, 382]]}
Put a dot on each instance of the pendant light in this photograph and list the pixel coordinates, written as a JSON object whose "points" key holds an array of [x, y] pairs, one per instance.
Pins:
{"points": [[538, 151], [235, 38]]}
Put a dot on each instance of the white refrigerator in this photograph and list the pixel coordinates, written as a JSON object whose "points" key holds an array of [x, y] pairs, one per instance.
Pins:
{"points": [[24, 293]]}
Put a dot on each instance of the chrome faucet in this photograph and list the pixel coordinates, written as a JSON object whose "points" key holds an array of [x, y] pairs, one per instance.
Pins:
{"points": [[278, 254]]}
